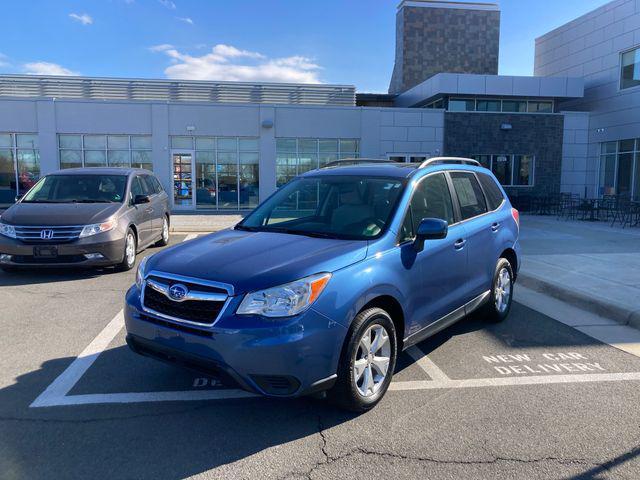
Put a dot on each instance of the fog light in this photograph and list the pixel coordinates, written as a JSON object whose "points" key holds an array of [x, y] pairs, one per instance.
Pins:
{"points": [[93, 256], [4, 257]]}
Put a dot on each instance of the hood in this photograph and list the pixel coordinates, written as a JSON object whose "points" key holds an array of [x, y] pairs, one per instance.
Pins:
{"points": [[256, 260], [59, 213]]}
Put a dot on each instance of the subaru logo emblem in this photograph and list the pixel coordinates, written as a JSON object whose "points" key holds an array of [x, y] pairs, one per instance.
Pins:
{"points": [[178, 292], [46, 234]]}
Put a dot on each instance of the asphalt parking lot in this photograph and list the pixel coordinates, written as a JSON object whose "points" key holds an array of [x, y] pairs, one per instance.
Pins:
{"points": [[529, 398]]}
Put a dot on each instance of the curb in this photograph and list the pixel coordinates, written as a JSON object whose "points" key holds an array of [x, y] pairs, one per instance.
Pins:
{"points": [[621, 315]]}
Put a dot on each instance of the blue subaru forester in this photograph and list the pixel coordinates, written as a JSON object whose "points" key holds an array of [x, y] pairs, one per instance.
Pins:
{"points": [[324, 283]]}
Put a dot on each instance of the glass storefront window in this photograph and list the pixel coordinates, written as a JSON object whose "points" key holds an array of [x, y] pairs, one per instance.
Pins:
{"points": [[462, 105], [105, 150], [19, 165], [620, 168], [97, 142], [141, 142], [95, 158], [206, 192], [205, 143], [501, 168], [182, 142], [295, 156], [522, 170], [70, 141], [517, 106], [249, 181], [488, 106], [227, 180]]}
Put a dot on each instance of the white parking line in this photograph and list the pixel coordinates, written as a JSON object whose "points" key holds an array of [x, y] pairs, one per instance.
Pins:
{"points": [[426, 364], [191, 236], [505, 382]]}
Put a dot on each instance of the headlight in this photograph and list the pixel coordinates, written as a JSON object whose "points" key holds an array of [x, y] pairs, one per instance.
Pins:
{"points": [[7, 230], [285, 300], [140, 272], [89, 230]]}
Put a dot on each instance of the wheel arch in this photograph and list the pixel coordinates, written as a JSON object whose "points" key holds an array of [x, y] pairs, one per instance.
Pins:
{"points": [[512, 257]]}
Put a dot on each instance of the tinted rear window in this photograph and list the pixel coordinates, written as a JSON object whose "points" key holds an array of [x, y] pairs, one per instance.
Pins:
{"points": [[491, 190], [469, 193]]}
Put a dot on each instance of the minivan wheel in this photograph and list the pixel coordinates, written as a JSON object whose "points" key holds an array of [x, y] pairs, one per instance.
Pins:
{"points": [[367, 362], [499, 305], [130, 249], [164, 239]]}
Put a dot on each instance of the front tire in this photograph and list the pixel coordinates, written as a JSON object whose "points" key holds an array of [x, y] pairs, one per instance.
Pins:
{"points": [[164, 239], [367, 362], [130, 250], [499, 305]]}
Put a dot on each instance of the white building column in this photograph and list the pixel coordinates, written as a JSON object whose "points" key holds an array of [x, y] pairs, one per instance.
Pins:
{"points": [[267, 152], [47, 136]]}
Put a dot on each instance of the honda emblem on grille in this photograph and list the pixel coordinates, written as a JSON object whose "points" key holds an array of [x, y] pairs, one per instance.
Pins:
{"points": [[178, 292], [46, 234]]}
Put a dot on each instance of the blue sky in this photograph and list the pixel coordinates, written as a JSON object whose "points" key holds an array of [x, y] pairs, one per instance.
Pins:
{"points": [[335, 41]]}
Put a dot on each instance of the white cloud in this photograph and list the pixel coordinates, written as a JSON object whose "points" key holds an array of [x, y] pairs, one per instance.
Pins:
{"points": [[4, 60], [161, 48], [228, 63], [168, 4], [186, 20], [47, 68], [84, 19]]}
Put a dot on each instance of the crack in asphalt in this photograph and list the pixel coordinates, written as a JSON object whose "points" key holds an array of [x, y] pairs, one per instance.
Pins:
{"points": [[330, 459]]}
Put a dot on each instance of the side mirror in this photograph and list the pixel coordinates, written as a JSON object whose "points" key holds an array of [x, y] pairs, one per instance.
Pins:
{"points": [[141, 199], [430, 229]]}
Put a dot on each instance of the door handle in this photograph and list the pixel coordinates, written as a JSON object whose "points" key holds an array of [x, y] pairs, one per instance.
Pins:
{"points": [[149, 210], [495, 226], [460, 243]]}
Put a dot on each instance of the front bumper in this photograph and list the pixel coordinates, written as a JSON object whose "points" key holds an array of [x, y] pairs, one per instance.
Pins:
{"points": [[287, 358], [109, 245]]}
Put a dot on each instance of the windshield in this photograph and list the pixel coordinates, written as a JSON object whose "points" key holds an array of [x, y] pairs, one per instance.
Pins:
{"points": [[330, 206], [78, 189]]}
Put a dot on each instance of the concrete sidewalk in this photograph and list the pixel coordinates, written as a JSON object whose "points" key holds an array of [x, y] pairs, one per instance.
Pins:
{"points": [[203, 223], [589, 265]]}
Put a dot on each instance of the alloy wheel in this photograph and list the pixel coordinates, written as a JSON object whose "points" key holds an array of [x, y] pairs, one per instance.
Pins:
{"points": [[165, 230], [372, 360], [130, 248], [502, 290]]}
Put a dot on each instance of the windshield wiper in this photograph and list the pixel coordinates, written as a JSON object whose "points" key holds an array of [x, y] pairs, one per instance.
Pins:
{"points": [[40, 201], [248, 229], [86, 200]]}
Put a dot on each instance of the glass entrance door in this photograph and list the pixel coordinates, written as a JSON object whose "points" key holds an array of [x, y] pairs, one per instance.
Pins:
{"points": [[182, 179]]}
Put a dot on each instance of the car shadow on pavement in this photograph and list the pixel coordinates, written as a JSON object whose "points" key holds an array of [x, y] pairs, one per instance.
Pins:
{"points": [[153, 440], [52, 275]]}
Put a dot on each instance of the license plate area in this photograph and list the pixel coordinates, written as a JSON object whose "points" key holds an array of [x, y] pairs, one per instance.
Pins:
{"points": [[45, 252]]}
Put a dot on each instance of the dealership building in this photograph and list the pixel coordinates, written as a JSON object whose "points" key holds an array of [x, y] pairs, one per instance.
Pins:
{"points": [[572, 127]]}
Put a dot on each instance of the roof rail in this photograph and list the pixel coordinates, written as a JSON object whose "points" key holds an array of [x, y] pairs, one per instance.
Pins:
{"points": [[355, 161], [444, 160]]}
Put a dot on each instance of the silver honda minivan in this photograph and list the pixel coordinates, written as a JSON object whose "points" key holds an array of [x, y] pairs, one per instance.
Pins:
{"points": [[85, 217]]}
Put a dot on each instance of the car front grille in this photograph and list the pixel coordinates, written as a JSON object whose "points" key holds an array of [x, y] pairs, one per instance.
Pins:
{"points": [[203, 309], [48, 234]]}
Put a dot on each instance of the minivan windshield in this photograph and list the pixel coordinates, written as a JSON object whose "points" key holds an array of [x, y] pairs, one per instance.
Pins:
{"points": [[329, 206], [78, 189]]}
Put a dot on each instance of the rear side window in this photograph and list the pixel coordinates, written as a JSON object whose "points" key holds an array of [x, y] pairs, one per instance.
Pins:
{"points": [[469, 193], [491, 190], [431, 199], [156, 184]]}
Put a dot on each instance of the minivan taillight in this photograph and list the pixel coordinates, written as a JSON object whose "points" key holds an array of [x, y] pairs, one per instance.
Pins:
{"points": [[516, 216]]}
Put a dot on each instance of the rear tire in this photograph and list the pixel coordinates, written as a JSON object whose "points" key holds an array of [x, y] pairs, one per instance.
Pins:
{"points": [[499, 305], [367, 362], [130, 250], [164, 239]]}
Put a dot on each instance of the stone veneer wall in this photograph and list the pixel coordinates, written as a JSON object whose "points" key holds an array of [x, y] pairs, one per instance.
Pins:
{"points": [[468, 134], [438, 40]]}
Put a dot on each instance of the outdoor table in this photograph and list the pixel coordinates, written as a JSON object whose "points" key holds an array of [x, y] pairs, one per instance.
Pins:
{"points": [[589, 205]]}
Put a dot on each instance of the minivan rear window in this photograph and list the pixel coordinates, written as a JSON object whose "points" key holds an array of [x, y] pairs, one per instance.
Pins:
{"points": [[78, 189]]}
